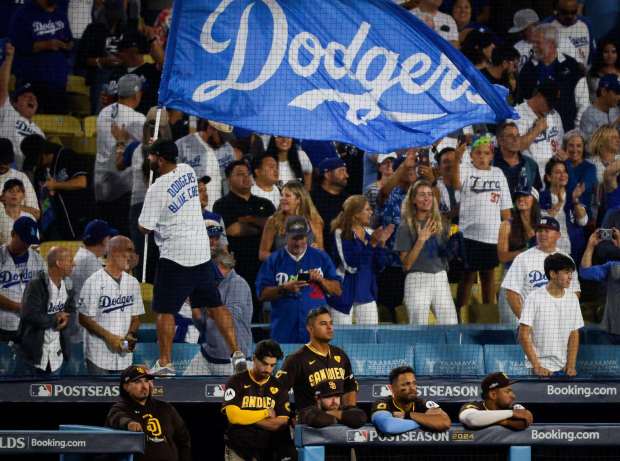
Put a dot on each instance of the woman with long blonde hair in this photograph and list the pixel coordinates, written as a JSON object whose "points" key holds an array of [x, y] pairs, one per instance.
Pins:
{"points": [[359, 256], [422, 242], [295, 201]]}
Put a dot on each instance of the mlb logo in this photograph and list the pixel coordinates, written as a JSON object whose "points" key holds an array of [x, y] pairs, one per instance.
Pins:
{"points": [[381, 390], [41, 390], [214, 390], [357, 436]]}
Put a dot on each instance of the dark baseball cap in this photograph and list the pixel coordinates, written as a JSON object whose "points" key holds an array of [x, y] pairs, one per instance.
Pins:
{"points": [[550, 91], [165, 149], [131, 40], [495, 380], [135, 372], [329, 388], [22, 89], [206, 179], [26, 229], [547, 222], [96, 230], [296, 226], [330, 164], [525, 191], [7, 154], [609, 82], [214, 228]]}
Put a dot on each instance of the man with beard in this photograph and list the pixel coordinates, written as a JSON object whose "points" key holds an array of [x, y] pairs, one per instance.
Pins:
{"points": [[166, 436], [503, 68], [497, 408], [172, 211], [405, 411], [331, 194], [257, 408], [330, 410]]}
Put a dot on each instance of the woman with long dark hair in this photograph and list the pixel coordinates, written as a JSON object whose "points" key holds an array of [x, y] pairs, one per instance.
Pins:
{"points": [[293, 162], [605, 61]]}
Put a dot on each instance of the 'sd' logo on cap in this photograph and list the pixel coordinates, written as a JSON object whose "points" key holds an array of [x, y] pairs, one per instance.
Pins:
{"points": [[332, 385], [140, 370], [337, 358]]}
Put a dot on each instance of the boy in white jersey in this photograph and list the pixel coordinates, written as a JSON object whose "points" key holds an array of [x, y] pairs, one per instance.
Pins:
{"points": [[172, 211], [550, 321], [43, 342], [18, 265], [485, 203], [110, 307], [527, 272]]}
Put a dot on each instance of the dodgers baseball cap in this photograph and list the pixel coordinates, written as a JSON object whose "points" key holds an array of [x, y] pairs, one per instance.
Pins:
{"points": [[135, 372], [383, 157], [26, 229], [129, 85], [330, 164], [524, 192], [22, 89], [547, 222], [7, 154], [96, 230], [214, 228], [166, 149], [329, 388], [609, 82], [131, 40], [522, 19], [495, 380], [296, 226]]}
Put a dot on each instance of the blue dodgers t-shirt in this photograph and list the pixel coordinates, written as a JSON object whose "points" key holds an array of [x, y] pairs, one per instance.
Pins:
{"points": [[288, 313], [31, 24]]}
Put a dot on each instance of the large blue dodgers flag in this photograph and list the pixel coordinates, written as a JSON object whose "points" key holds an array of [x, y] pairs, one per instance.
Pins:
{"points": [[365, 72]]}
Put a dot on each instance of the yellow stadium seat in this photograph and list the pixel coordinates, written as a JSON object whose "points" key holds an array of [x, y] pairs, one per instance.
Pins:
{"points": [[90, 126], [147, 298], [84, 145], [61, 125], [72, 245], [77, 84]]}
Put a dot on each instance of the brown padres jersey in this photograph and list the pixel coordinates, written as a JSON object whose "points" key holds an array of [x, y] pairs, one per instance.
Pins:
{"points": [[305, 369], [388, 404]]}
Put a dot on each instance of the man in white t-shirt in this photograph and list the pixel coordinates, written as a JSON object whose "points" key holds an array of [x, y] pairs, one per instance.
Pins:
{"points": [[550, 321], [16, 114], [18, 265], [47, 309], [172, 211], [524, 22], [110, 308], [266, 175], [7, 158], [443, 24], [208, 152], [575, 39], [540, 126], [113, 186], [527, 273]]}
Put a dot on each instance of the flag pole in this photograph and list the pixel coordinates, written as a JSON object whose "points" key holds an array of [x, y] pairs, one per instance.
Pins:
{"points": [[146, 236]]}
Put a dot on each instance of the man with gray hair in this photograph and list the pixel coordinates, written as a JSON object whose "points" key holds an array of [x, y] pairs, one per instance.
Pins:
{"points": [[237, 297], [547, 63], [113, 186], [110, 307], [47, 306]]}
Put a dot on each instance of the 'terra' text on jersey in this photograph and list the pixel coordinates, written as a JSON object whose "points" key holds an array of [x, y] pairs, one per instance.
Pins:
{"points": [[172, 210], [307, 368]]}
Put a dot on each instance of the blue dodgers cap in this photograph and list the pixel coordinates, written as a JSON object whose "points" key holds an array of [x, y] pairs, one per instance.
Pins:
{"points": [[22, 89], [214, 229], [96, 231], [547, 222], [26, 229], [609, 82], [330, 164]]}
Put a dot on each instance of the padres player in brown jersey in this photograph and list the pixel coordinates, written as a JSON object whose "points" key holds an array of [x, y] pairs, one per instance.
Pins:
{"points": [[317, 362], [405, 411], [329, 410], [257, 409], [498, 406]]}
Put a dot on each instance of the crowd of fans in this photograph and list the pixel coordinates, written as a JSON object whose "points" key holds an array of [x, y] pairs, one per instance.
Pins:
{"points": [[295, 224]]}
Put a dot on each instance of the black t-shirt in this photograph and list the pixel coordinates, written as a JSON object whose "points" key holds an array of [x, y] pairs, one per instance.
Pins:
{"points": [[306, 368], [247, 394], [329, 206], [231, 207], [387, 404]]}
